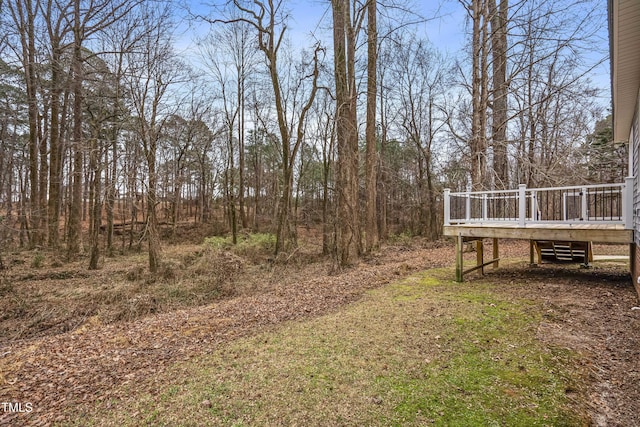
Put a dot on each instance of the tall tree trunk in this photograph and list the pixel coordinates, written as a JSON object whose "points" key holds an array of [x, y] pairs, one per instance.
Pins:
{"points": [[499, 76], [230, 184], [328, 138], [347, 230], [75, 214], [25, 21], [43, 173], [383, 229], [110, 187], [55, 163], [152, 219], [478, 143], [241, 125], [95, 215], [371, 226]]}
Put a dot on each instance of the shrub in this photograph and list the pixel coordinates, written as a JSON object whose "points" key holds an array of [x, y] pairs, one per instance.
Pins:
{"points": [[212, 276], [252, 246], [37, 261]]}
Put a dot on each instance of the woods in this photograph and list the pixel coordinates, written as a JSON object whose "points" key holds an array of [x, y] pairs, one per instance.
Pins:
{"points": [[113, 134]]}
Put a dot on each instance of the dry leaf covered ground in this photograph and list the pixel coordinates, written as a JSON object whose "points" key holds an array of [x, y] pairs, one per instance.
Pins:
{"points": [[89, 356]]}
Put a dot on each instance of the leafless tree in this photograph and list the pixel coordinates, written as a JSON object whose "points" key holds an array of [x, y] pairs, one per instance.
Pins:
{"points": [[24, 20], [420, 73], [230, 60], [499, 19], [268, 20], [347, 19], [153, 68], [371, 160]]}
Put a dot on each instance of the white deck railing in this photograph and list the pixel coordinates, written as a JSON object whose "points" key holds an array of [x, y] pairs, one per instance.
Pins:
{"points": [[586, 204]]}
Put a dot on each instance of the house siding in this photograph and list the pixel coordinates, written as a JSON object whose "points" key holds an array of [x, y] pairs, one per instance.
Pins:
{"points": [[634, 143]]}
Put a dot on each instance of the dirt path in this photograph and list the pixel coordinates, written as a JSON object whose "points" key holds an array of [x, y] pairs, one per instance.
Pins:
{"points": [[56, 374], [594, 312]]}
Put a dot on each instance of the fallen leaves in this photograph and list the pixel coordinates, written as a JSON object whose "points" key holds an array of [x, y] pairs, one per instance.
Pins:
{"points": [[95, 362]]}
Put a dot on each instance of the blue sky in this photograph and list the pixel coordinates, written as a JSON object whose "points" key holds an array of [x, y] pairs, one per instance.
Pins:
{"points": [[314, 17], [445, 28]]}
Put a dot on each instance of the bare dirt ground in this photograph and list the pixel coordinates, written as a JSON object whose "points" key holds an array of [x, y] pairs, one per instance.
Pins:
{"points": [[89, 358]]}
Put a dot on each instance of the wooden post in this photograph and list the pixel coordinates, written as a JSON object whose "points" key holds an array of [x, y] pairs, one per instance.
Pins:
{"points": [[531, 251], [496, 253], [480, 255], [632, 262], [459, 258]]}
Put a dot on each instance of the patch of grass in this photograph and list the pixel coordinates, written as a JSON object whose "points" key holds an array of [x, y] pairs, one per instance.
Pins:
{"points": [[247, 244], [404, 239], [495, 372], [423, 351]]}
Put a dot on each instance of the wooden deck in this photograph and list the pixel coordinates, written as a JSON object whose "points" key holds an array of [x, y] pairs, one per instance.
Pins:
{"points": [[600, 233], [597, 213]]}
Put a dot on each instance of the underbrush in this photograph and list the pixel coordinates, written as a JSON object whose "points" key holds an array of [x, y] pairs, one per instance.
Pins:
{"points": [[43, 296], [255, 247]]}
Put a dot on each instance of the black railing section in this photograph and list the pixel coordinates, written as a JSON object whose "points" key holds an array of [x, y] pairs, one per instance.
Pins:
{"points": [[595, 203], [494, 206], [604, 204]]}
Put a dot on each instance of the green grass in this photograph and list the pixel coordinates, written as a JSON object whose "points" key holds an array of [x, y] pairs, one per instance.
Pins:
{"points": [[245, 242], [424, 351]]}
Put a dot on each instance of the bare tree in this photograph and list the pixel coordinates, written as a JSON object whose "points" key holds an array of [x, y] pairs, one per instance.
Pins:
{"points": [[87, 21], [116, 42], [420, 73], [348, 241], [24, 16], [499, 20], [554, 104], [153, 69], [267, 18], [371, 160], [57, 19], [230, 55], [479, 93]]}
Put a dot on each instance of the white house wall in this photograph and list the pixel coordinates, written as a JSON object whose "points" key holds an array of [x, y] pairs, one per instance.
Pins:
{"points": [[634, 144]]}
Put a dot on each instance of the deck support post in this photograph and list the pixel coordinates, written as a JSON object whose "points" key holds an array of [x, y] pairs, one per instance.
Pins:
{"points": [[531, 252], [496, 253], [459, 257], [480, 262], [587, 255], [480, 255], [632, 266]]}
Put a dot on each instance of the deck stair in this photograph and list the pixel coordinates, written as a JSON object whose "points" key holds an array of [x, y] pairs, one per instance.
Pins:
{"points": [[561, 251]]}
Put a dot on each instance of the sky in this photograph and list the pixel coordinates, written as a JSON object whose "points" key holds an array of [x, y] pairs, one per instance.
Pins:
{"points": [[311, 19]]}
